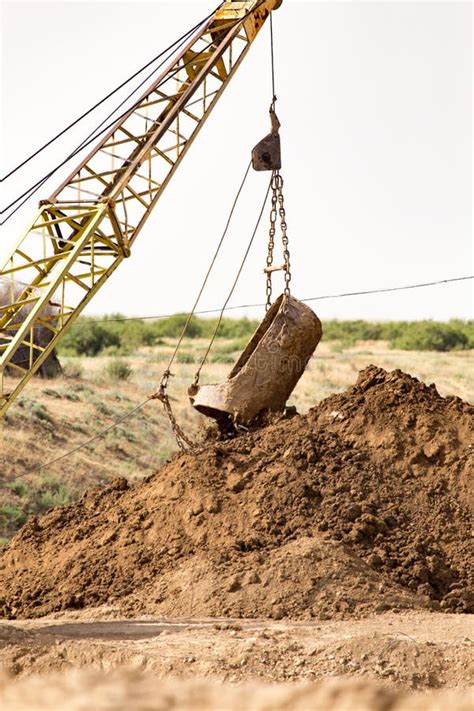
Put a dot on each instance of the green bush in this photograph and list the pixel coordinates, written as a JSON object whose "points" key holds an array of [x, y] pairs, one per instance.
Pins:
{"points": [[32, 498], [406, 335], [430, 336], [18, 487], [73, 369], [87, 337], [56, 495], [12, 516], [111, 336], [118, 369], [234, 346], [241, 328], [352, 331], [172, 327]]}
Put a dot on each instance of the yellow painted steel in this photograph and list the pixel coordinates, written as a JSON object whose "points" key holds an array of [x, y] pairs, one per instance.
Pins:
{"points": [[87, 227]]}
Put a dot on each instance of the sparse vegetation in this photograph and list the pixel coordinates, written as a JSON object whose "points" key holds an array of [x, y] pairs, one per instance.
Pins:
{"points": [[88, 337], [429, 336], [185, 357], [110, 336], [50, 419], [118, 369], [73, 369], [32, 499], [221, 357]]}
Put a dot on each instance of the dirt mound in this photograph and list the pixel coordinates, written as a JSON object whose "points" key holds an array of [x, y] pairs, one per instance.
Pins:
{"points": [[75, 691], [358, 506], [408, 427]]}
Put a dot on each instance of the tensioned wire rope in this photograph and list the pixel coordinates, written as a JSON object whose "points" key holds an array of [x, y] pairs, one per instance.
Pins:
{"points": [[155, 395], [182, 439], [140, 405], [99, 103], [225, 306], [101, 129], [208, 273], [321, 297], [27, 194]]}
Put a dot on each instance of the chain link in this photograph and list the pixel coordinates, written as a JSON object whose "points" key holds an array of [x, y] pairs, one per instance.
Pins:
{"points": [[271, 240], [284, 236], [277, 209], [182, 440]]}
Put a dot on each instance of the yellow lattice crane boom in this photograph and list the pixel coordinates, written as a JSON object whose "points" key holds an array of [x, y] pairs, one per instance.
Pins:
{"points": [[81, 234]]}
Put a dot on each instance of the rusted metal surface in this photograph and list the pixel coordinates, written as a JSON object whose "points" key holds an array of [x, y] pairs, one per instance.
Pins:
{"points": [[269, 368], [267, 153]]}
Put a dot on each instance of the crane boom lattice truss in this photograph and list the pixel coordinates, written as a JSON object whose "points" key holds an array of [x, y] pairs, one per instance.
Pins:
{"points": [[87, 227]]}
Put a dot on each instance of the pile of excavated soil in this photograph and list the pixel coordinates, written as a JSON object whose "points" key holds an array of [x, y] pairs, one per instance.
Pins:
{"points": [[359, 506]]}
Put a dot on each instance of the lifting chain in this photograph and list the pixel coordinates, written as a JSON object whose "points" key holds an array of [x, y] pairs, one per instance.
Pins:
{"points": [[277, 209], [182, 440], [271, 243]]}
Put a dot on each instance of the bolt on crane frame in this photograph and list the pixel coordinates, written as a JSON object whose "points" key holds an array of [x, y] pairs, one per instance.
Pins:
{"points": [[87, 227]]}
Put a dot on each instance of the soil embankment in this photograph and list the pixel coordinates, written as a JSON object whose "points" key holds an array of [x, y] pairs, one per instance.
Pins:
{"points": [[361, 505]]}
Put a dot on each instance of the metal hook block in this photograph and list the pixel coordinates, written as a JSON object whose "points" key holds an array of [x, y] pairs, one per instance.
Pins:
{"points": [[267, 153]]}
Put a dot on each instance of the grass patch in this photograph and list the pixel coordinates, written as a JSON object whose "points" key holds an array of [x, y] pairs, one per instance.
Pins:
{"points": [[118, 370], [73, 369], [185, 357], [220, 357]]}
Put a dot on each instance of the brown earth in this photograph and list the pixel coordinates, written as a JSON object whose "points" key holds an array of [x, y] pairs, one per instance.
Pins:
{"points": [[415, 650], [121, 691], [359, 506]]}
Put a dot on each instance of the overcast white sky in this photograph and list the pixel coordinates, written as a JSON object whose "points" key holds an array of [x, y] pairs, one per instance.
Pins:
{"points": [[375, 100]]}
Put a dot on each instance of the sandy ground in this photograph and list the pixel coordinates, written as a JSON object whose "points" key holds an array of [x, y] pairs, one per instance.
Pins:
{"points": [[417, 650], [414, 661]]}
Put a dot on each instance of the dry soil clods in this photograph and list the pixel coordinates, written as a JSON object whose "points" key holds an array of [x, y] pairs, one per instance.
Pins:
{"points": [[360, 505]]}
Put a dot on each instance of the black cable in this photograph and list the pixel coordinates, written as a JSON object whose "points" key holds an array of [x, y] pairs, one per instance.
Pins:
{"points": [[239, 272], [312, 298], [34, 188], [272, 58], [135, 409], [95, 106], [213, 261], [95, 133]]}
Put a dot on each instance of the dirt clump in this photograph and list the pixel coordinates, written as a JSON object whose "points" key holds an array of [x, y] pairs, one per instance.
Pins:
{"points": [[359, 506]]}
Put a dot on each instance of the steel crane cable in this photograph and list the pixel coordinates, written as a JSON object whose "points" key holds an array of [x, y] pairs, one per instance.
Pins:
{"points": [[182, 440], [94, 134], [99, 103], [232, 289], [272, 58], [322, 297], [179, 434], [91, 138], [167, 372], [140, 405]]}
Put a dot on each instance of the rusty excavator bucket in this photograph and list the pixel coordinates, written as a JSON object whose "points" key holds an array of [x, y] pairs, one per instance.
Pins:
{"points": [[268, 369]]}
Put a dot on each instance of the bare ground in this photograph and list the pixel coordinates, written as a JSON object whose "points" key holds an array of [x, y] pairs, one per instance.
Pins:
{"points": [[382, 663], [417, 650], [413, 660]]}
